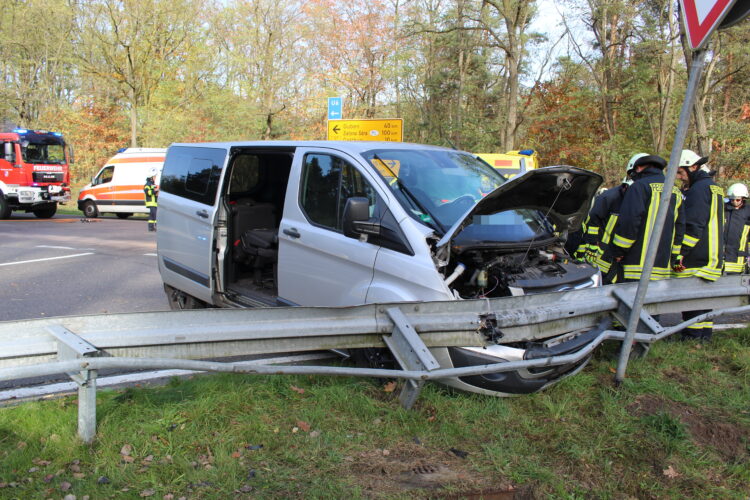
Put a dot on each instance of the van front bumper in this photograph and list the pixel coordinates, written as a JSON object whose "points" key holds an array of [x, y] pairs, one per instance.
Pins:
{"points": [[524, 381]]}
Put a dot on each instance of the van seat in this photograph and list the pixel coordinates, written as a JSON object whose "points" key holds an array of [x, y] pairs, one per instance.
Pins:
{"points": [[247, 216]]}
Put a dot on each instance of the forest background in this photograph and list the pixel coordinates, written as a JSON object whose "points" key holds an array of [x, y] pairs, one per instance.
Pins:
{"points": [[583, 82]]}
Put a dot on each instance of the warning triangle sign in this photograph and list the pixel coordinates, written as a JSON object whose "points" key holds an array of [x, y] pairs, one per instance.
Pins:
{"points": [[702, 17]]}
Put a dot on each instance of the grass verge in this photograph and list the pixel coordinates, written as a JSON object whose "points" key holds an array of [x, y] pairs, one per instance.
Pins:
{"points": [[679, 427]]}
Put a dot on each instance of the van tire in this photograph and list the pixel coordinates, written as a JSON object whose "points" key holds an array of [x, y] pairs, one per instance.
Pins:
{"points": [[47, 212], [121, 215], [89, 209], [181, 301], [5, 209]]}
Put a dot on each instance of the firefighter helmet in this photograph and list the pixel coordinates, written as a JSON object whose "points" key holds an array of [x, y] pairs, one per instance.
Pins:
{"points": [[738, 190], [689, 158], [631, 162]]}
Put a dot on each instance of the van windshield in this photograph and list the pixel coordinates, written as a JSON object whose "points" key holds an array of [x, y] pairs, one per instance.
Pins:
{"points": [[438, 187]]}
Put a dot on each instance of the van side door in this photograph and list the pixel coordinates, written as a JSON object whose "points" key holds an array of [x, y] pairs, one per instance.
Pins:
{"points": [[185, 218], [318, 265]]}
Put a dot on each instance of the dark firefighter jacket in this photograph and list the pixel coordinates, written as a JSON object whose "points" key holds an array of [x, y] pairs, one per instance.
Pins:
{"points": [[703, 245], [736, 232], [600, 224], [151, 192], [635, 225]]}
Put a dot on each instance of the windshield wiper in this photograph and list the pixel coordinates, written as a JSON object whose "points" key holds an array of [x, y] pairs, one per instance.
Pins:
{"points": [[433, 222]]}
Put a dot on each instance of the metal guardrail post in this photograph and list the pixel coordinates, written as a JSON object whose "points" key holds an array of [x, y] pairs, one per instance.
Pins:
{"points": [[410, 352], [71, 346]]}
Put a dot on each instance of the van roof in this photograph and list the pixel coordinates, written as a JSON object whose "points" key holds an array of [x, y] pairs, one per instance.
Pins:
{"points": [[350, 146]]}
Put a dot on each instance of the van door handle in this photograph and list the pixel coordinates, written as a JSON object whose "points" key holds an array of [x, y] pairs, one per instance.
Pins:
{"points": [[202, 213], [292, 232]]}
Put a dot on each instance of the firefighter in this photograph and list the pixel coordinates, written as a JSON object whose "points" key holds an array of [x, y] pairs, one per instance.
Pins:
{"points": [[703, 245], [151, 191], [736, 229], [600, 223], [636, 221]]}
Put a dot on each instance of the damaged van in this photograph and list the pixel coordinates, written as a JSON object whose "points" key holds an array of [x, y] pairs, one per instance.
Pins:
{"points": [[266, 224]]}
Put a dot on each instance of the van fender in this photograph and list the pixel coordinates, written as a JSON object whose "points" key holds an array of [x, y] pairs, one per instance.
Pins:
{"points": [[382, 291]]}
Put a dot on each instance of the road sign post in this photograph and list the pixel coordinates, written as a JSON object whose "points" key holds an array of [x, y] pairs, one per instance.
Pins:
{"points": [[390, 130]]}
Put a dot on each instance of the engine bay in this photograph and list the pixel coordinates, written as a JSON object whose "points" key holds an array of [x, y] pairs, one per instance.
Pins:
{"points": [[482, 273]]}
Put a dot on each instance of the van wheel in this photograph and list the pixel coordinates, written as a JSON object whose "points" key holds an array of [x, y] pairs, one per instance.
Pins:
{"points": [[180, 301], [46, 212], [5, 209], [121, 215], [89, 209]]}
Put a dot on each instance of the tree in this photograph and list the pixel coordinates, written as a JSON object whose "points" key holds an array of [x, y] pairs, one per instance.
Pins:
{"points": [[35, 59], [134, 45]]}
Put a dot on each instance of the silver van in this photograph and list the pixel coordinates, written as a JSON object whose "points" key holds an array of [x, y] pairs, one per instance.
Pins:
{"points": [[266, 224]]}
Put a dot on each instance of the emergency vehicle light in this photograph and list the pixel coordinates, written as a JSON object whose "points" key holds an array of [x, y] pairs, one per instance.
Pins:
{"points": [[526, 152], [20, 131], [58, 134]]}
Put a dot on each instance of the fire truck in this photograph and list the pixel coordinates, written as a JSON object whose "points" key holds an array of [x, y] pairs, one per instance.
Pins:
{"points": [[34, 174]]}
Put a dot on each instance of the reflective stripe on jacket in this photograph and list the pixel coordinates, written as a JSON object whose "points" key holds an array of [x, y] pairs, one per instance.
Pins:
{"points": [[600, 224], [636, 222], [150, 191], [703, 245], [736, 231]]}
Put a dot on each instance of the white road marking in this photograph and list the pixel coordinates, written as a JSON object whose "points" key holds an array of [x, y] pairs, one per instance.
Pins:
{"points": [[52, 246], [48, 258], [150, 254]]}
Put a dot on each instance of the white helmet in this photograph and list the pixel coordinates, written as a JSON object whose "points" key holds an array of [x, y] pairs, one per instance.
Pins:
{"points": [[152, 172], [738, 190], [631, 162], [689, 158]]}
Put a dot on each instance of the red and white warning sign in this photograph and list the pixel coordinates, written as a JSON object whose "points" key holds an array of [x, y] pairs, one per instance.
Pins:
{"points": [[702, 17]]}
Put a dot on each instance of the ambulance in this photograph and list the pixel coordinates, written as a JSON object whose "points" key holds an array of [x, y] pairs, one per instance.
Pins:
{"points": [[512, 163], [118, 187]]}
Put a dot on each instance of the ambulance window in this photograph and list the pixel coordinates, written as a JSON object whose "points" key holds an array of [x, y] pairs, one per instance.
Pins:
{"points": [[106, 174]]}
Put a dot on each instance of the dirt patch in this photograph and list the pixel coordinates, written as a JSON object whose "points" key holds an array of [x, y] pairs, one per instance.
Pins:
{"points": [[709, 431], [677, 375], [415, 467]]}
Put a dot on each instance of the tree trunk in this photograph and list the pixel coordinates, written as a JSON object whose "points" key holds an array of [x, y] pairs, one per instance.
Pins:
{"points": [[133, 120]]}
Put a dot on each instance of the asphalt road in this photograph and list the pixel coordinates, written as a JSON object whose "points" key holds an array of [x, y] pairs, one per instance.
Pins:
{"points": [[65, 267]]}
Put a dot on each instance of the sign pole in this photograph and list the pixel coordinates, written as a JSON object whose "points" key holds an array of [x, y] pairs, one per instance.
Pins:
{"points": [[699, 57]]}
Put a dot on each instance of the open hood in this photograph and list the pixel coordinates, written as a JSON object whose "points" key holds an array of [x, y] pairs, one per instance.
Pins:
{"points": [[562, 192]]}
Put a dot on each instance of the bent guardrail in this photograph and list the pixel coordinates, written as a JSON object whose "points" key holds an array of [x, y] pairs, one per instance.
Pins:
{"points": [[83, 345]]}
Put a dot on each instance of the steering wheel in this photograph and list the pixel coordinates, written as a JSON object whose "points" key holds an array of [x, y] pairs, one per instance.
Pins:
{"points": [[464, 202]]}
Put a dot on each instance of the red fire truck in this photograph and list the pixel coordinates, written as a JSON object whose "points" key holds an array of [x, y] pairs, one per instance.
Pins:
{"points": [[34, 174]]}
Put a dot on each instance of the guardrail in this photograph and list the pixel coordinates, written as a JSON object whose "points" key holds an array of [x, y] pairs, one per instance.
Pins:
{"points": [[83, 345]]}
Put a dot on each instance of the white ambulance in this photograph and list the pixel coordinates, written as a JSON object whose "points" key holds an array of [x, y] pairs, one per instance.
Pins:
{"points": [[118, 187]]}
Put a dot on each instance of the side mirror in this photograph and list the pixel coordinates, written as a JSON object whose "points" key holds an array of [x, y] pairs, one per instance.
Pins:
{"points": [[93, 181], [71, 158], [357, 218], [8, 152]]}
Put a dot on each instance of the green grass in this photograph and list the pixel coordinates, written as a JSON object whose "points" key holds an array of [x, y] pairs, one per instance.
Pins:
{"points": [[677, 428]]}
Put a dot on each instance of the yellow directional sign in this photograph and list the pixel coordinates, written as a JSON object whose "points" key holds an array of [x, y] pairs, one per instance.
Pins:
{"points": [[366, 130]]}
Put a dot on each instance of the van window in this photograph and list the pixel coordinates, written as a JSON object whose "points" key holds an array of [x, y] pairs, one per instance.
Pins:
{"points": [[245, 174], [327, 182], [106, 174], [193, 173]]}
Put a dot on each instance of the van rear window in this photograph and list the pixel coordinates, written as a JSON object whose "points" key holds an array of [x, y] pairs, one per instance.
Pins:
{"points": [[193, 173]]}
